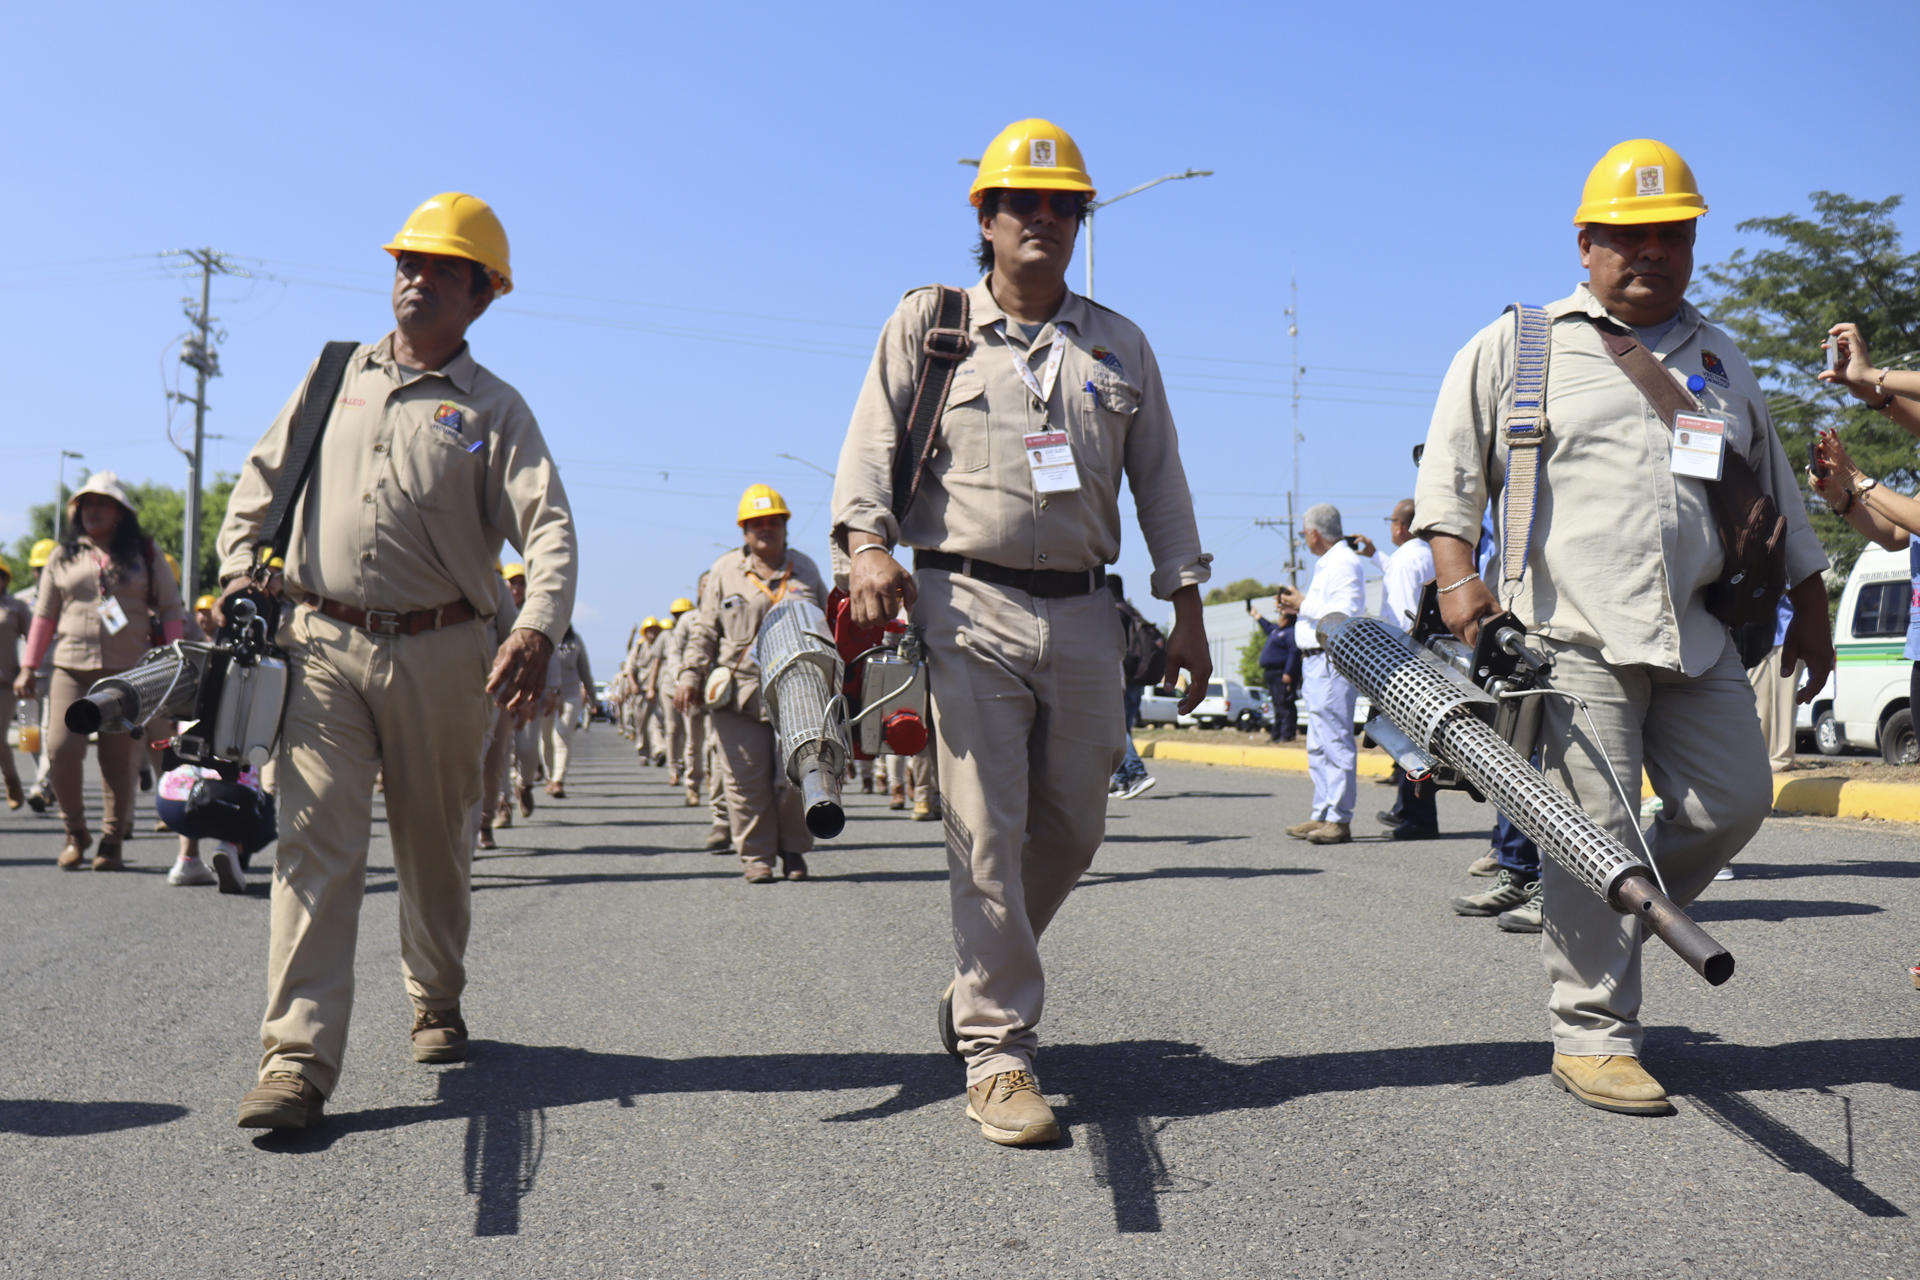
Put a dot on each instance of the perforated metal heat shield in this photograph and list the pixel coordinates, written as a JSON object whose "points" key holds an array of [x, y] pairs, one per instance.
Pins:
{"points": [[800, 673], [1448, 716]]}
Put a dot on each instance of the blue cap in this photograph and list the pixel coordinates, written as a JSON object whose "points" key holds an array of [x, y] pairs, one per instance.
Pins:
{"points": [[1696, 384]]}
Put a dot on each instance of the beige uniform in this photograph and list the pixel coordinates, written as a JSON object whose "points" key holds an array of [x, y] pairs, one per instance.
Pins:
{"points": [[16, 619], [493, 772], [1026, 687], [1622, 551], [416, 483], [684, 755], [71, 592], [569, 672], [763, 808]]}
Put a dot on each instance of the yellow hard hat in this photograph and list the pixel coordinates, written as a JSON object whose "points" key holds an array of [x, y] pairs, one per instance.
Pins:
{"points": [[276, 562], [761, 500], [1639, 180], [650, 622], [513, 571], [172, 564], [204, 602], [1034, 154], [666, 624], [680, 606], [459, 226], [6, 568], [41, 553]]}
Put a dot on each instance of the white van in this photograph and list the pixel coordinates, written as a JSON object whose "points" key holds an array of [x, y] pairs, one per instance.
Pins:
{"points": [[1871, 679]]}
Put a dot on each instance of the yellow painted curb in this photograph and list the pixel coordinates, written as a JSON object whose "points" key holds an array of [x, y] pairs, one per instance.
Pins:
{"points": [[1371, 764]]}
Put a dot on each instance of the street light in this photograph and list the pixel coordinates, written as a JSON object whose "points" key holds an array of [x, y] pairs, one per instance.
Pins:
{"points": [[1145, 186], [59, 491]]}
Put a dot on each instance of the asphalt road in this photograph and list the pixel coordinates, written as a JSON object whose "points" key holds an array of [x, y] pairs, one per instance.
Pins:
{"points": [[1270, 1059]]}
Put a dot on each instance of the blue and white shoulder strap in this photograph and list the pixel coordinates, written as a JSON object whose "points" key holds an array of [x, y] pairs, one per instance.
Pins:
{"points": [[1525, 430]]}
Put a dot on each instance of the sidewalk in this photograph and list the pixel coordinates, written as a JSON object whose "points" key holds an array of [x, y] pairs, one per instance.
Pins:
{"points": [[1828, 796]]}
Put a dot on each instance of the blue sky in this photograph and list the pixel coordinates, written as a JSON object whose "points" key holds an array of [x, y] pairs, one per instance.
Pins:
{"points": [[713, 209]]}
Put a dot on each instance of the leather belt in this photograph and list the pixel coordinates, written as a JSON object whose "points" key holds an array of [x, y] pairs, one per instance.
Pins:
{"points": [[1311, 653], [1046, 584], [386, 622]]}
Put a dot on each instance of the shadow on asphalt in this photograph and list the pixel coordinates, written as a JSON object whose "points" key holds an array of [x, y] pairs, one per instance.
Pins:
{"points": [[1136, 1089], [40, 1118], [1745, 870], [1774, 910]]}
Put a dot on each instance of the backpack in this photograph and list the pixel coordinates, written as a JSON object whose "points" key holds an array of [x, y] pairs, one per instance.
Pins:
{"points": [[1143, 660]]}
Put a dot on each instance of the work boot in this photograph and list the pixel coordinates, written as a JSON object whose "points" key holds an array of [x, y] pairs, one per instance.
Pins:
{"points": [[558, 790], [950, 1034], [1331, 833], [1301, 830], [109, 859], [1611, 1082], [719, 840], [15, 796], [503, 816], [485, 839], [759, 873], [1486, 864], [794, 866], [866, 786], [896, 797], [693, 796], [1011, 1111], [1508, 892], [1413, 831], [439, 1035], [283, 1100], [526, 800], [924, 811], [73, 852], [38, 799], [1524, 918]]}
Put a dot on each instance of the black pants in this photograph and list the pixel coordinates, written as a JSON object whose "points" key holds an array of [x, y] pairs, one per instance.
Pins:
{"points": [[1286, 715]]}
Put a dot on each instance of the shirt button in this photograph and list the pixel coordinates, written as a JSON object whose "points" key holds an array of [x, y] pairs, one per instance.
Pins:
{"points": [[380, 448], [366, 497], [366, 555]]}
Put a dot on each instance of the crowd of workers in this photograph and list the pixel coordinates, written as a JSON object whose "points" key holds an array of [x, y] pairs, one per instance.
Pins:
{"points": [[424, 666]]}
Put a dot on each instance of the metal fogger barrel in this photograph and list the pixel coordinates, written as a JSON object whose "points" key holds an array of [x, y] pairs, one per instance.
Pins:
{"points": [[165, 684], [1447, 719], [800, 676]]}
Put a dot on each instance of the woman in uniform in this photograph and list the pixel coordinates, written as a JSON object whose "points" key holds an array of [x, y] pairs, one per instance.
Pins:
{"points": [[763, 808], [109, 596]]}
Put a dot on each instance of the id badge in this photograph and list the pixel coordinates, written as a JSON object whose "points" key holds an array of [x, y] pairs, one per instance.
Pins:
{"points": [[112, 616], [1051, 458], [1699, 446]]}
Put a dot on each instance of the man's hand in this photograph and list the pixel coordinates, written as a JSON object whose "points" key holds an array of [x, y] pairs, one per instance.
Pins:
{"points": [[519, 675], [1809, 636], [1463, 607], [878, 584], [1187, 647], [1364, 545], [686, 697], [1289, 598]]}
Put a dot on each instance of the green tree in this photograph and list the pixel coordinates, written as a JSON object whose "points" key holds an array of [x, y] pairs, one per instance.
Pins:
{"points": [[1845, 262], [162, 511], [1244, 589], [1250, 673]]}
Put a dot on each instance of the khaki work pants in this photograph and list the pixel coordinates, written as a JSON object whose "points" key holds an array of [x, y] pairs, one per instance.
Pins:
{"points": [[1028, 716], [1700, 744], [493, 771], [716, 781], [418, 706], [693, 749], [8, 705], [67, 763], [917, 775], [764, 816], [1774, 689], [677, 734], [556, 739]]}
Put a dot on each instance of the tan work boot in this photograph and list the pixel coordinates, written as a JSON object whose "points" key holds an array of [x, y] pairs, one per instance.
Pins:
{"points": [[896, 797], [693, 796], [1301, 830], [1612, 1082], [109, 859], [923, 811], [759, 873], [504, 818], [1331, 833], [1011, 1111], [439, 1035], [15, 796], [283, 1100], [73, 852]]}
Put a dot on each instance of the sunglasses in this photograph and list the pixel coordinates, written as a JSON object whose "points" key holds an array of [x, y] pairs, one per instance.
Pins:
{"points": [[1024, 204]]}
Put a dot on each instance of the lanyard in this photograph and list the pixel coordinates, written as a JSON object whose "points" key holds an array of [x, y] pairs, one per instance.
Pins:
{"points": [[786, 574], [1042, 387]]}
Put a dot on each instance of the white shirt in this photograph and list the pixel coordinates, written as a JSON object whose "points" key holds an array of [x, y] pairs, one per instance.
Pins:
{"points": [[1409, 569], [1339, 585]]}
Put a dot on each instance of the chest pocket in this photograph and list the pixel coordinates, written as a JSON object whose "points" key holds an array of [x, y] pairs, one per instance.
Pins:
{"points": [[435, 467], [1113, 394], [963, 424]]}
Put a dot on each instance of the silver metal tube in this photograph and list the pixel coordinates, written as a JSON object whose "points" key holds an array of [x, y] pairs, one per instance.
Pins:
{"points": [[1414, 762]]}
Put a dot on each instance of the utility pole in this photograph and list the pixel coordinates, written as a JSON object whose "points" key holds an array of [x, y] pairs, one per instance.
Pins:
{"points": [[1293, 340], [197, 353], [60, 495]]}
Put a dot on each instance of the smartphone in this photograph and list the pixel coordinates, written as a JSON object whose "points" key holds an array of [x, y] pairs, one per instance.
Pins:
{"points": [[1352, 540], [1819, 469], [1833, 353], [1249, 604]]}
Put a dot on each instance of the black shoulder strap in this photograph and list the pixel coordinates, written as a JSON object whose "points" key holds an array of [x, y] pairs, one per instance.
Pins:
{"points": [[315, 408], [942, 349]]}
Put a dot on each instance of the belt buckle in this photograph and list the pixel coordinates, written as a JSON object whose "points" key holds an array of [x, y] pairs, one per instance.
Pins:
{"points": [[383, 622]]}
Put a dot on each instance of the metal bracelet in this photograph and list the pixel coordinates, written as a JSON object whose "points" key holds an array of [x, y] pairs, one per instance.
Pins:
{"points": [[871, 546], [1455, 586]]}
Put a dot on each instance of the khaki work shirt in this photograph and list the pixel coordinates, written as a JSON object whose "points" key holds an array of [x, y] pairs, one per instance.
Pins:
{"points": [[1622, 549], [70, 595], [571, 667], [16, 619], [727, 620], [977, 498], [416, 482]]}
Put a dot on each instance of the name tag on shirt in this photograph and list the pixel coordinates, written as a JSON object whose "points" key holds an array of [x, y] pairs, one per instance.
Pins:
{"points": [[112, 616], [1051, 458], [1699, 446]]}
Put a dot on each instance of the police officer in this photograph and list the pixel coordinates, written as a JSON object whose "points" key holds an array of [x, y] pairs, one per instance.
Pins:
{"points": [[428, 463], [763, 807], [1280, 666], [1016, 520], [1617, 555]]}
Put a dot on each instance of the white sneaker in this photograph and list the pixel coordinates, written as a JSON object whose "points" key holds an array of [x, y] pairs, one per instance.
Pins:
{"points": [[1139, 788], [226, 865], [189, 870], [1724, 873]]}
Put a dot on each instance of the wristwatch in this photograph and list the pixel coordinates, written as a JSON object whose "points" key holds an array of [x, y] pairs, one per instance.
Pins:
{"points": [[1866, 483]]}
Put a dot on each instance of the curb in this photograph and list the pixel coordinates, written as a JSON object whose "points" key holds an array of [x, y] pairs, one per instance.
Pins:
{"points": [[1828, 797]]}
